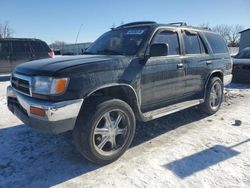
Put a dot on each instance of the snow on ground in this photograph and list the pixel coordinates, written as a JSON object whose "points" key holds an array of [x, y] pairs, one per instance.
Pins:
{"points": [[185, 149]]}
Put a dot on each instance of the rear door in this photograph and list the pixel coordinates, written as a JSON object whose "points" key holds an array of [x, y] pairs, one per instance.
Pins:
{"points": [[197, 60], [5, 57], [21, 53]]}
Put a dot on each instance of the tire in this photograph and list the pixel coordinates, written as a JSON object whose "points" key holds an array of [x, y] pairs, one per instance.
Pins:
{"points": [[213, 96], [104, 129]]}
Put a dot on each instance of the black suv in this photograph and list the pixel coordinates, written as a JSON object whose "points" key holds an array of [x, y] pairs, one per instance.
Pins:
{"points": [[14, 51], [137, 71]]}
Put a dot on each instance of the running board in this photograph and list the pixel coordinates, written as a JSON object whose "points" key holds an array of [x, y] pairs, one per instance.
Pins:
{"points": [[171, 109]]}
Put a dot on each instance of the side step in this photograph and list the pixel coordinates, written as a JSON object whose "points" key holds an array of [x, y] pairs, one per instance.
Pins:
{"points": [[171, 109]]}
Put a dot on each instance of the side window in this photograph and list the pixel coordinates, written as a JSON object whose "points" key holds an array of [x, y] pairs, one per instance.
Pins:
{"points": [[4, 48], [45, 47], [216, 42], [170, 38], [192, 43], [20, 47], [37, 47]]}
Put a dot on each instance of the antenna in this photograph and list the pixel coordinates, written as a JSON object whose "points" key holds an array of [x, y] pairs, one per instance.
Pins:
{"points": [[78, 32]]}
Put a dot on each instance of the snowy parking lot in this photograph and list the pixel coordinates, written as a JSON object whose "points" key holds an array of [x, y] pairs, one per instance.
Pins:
{"points": [[185, 149]]}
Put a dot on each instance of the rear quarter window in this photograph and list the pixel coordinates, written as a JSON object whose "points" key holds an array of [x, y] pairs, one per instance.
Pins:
{"points": [[39, 46], [217, 43]]}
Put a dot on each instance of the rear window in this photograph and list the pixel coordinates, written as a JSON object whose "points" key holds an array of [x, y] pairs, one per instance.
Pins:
{"points": [[217, 43]]}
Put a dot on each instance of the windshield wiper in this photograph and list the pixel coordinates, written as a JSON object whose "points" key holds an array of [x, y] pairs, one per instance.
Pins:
{"points": [[112, 52]]}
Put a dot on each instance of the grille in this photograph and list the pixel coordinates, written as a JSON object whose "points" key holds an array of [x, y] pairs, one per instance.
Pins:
{"points": [[21, 84]]}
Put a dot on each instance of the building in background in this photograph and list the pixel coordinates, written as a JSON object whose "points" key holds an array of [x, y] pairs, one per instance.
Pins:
{"points": [[61, 48], [244, 39], [74, 49]]}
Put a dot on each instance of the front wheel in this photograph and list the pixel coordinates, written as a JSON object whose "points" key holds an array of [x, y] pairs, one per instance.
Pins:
{"points": [[104, 130], [214, 96]]}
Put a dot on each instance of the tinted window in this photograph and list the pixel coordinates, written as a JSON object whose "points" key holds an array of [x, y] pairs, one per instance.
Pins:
{"points": [[4, 48], [217, 43], [192, 43], [39, 46], [170, 38], [20, 47], [244, 54], [45, 46]]}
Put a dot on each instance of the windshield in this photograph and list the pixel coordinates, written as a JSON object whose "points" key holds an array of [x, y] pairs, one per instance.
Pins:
{"points": [[244, 54], [119, 42]]}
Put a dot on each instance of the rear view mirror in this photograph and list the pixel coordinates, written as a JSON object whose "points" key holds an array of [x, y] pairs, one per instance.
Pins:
{"points": [[158, 49]]}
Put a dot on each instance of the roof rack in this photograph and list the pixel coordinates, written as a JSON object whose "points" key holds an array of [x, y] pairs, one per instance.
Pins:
{"points": [[189, 26], [136, 23], [178, 23]]}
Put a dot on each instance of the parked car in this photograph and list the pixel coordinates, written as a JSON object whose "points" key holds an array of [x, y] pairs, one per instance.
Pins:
{"points": [[241, 66], [136, 72], [14, 51]]}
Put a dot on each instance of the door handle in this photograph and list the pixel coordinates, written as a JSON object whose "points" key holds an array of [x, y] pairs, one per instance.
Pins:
{"points": [[180, 66], [209, 62]]}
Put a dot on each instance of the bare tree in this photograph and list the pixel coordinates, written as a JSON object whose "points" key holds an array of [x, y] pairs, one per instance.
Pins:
{"points": [[5, 30], [57, 45], [204, 25], [230, 33]]}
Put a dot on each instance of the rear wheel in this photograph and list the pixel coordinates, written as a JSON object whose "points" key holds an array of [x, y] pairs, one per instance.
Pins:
{"points": [[104, 130], [214, 96]]}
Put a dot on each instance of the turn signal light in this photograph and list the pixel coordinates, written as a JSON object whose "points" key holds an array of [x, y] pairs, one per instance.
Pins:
{"points": [[60, 85], [37, 111]]}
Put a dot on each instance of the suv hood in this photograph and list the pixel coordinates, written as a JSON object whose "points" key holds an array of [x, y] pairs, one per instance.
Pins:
{"points": [[51, 66]]}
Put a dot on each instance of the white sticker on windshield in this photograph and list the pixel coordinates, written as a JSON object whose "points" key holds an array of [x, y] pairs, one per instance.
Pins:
{"points": [[135, 32]]}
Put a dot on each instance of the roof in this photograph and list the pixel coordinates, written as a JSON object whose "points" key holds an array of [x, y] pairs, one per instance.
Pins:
{"points": [[244, 30], [20, 39]]}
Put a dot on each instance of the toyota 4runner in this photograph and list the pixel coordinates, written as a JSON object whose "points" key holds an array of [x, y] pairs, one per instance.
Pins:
{"points": [[138, 71]]}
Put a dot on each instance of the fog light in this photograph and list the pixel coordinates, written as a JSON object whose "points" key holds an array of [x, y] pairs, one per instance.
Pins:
{"points": [[37, 111]]}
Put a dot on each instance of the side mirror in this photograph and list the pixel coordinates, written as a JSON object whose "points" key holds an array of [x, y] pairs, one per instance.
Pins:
{"points": [[158, 49]]}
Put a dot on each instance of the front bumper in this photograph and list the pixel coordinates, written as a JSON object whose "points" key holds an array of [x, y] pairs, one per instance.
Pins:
{"points": [[59, 116], [227, 79]]}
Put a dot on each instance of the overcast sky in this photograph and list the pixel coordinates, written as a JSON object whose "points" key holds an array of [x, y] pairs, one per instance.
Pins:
{"points": [[52, 20]]}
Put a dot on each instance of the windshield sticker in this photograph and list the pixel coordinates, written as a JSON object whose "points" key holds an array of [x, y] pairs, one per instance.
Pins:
{"points": [[135, 32]]}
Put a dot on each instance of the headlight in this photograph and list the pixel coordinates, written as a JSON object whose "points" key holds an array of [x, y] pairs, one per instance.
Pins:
{"points": [[48, 85]]}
